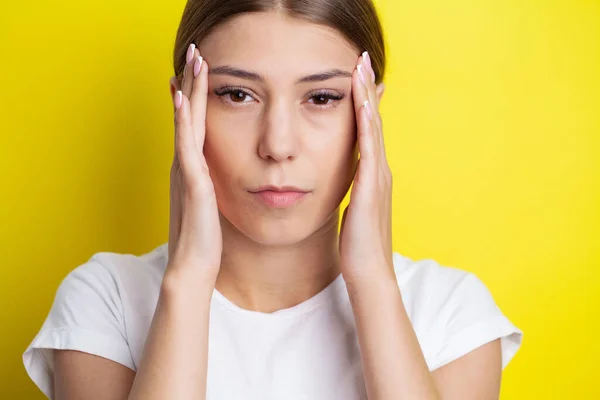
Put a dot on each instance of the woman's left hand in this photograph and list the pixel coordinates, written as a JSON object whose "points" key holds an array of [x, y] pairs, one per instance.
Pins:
{"points": [[366, 230]]}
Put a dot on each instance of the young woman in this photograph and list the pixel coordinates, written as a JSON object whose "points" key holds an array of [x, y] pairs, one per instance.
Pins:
{"points": [[255, 295]]}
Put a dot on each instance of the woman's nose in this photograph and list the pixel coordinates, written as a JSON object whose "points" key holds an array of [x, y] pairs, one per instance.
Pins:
{"points": [[279, 139]]}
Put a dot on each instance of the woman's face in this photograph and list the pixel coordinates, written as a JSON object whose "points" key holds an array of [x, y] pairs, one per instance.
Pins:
{"points": [[276, 125]]}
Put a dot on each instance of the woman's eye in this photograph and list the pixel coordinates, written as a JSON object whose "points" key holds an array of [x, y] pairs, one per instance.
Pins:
{"points": [[237, 96], [230, 94], [325, 99], [233, 95]]}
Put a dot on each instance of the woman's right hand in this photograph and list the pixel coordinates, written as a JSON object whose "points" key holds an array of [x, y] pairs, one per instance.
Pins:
{"points": [[195, 238]]}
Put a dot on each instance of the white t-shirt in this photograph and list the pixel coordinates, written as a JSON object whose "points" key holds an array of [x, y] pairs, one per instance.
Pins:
{"points": [[308, 351]]}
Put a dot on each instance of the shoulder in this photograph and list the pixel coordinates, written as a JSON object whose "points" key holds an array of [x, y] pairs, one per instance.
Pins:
{"points": [[119, 282], [430, 287], [133, 275], [111, 278], [121, 267], [98, 309], [452, 311]]}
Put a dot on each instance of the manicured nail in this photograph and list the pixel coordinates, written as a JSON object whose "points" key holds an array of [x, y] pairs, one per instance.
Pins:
{"points": [[368, 65], [190, 53], [367, 107], [366, 59], [178, 99], [197, 65], [361, 74]]}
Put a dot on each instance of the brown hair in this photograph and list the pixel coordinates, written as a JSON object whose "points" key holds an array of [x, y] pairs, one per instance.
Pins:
{"points": [[356, 19]]}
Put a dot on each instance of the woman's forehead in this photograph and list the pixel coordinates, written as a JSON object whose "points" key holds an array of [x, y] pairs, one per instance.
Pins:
{"points": [[260, 41]]}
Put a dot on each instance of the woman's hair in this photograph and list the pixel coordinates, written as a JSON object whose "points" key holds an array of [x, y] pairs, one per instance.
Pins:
{"points": [[355, 19]]}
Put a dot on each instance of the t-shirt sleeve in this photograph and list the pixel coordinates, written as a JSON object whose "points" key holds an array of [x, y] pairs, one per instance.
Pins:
{"points": [[86, 315], [452, 311], [467, 319]]}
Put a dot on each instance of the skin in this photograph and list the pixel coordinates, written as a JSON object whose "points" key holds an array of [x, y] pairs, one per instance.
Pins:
{"points": [[287, 139], [268, 259]]}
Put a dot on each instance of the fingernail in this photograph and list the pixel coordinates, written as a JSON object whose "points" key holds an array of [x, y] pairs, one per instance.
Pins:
{"points": [[178, 99], [367, 61], [367, 107], [197, 65], [190, 53], [361, 74], [366, 58]]}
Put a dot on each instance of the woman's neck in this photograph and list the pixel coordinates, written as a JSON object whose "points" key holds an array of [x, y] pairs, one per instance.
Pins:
{"points": [[270, 278]]}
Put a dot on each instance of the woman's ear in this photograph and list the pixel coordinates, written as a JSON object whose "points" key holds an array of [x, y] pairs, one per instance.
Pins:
{"points": [[379, 90], [173, 87]]}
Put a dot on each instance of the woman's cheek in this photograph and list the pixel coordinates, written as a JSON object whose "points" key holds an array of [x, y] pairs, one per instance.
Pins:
{"points": [[229, 141], [339, 131]]}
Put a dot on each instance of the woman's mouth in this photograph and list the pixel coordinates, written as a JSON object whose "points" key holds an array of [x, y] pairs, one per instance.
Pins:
{"points": [[280, 197]]}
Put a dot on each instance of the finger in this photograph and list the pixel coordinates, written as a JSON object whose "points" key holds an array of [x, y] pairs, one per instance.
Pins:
{"points": [[367, 58], [359, 89], [198, 100], [378, 91], [372, 94], [185, 143], [373, 89], [365, 63], [188, 75], [365, 68], [366, 146]]}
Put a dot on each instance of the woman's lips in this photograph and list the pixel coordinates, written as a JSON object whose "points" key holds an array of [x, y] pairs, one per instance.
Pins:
{"points": [[279, 199]]}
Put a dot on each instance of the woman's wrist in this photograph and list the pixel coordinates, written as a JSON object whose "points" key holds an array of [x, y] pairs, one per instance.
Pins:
{"points": [[373, 289], [186, 280]]}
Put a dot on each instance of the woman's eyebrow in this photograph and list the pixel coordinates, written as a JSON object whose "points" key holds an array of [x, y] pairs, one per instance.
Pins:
{"points": [[253, 76]]}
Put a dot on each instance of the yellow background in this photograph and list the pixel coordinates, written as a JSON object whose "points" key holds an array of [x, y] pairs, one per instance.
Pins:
{"points": [[493, 132]]}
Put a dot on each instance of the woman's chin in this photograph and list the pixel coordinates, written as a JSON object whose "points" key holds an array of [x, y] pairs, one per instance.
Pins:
{"points": [[279, 232], [281, 228], [270, 231]]}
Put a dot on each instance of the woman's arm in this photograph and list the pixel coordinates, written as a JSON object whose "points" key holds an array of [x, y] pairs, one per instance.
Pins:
{"points": [[394, 365], [175, 357], [84, 376], [174, 362]]}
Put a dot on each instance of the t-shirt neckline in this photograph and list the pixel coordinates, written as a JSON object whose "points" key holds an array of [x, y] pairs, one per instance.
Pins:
{"points": [[306, 306]]}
